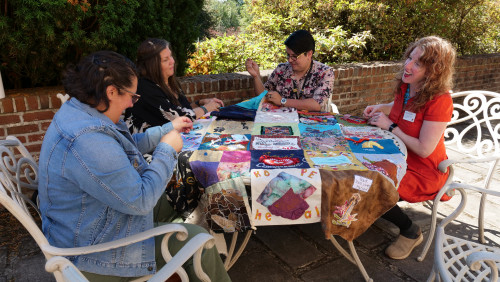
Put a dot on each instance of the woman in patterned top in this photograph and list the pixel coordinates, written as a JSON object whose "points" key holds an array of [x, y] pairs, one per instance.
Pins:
{"points": [[300, 83], [162, 99]]}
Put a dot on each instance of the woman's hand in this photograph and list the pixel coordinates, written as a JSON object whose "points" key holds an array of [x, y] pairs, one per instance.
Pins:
{"points": [[274, 97], [213, 105], [379, 119], [174, 139], [252, 68], [208, 100], [182, 124], [371, 110]]}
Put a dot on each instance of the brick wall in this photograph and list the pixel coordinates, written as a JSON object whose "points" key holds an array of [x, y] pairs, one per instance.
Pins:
{"points": [[26, 113]]}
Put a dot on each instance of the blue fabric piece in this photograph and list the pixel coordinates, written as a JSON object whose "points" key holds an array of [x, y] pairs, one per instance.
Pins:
{"points": [[235, 112], [388, 147], [253, 104]]}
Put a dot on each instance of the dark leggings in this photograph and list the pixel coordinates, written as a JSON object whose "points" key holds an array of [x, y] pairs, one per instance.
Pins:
{"points": [[399, 218]]}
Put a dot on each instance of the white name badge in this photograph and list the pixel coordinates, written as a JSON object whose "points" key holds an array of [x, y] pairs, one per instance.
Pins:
{"points": [[409, 116]]}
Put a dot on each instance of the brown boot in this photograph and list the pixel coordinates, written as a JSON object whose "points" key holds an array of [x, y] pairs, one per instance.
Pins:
{"points": [[402, 247]]}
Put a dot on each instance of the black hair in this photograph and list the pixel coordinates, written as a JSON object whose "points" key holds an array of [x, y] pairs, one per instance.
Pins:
{"points": [[88, 80], [300, 41]]}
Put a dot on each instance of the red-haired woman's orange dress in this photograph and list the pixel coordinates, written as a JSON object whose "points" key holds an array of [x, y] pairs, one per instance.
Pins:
{"points": [[422, 180]]}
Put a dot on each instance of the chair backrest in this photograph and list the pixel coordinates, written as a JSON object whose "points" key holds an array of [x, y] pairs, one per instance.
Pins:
{"points": [[475, 126]]}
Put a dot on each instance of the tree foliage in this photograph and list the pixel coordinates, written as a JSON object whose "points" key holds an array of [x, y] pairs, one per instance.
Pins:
{"points": [[351, 30], [39, 37]]}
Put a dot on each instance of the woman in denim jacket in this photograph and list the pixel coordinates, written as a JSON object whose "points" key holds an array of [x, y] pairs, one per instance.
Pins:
{"points": [[94, 184]]}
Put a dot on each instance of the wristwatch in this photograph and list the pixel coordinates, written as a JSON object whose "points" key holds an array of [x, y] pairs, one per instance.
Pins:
{"points": [[394, 125], [283, 101]]}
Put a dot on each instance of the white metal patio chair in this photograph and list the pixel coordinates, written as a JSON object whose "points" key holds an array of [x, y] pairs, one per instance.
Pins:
{"points": [[474, 130], [459, 259], [18, 171]]}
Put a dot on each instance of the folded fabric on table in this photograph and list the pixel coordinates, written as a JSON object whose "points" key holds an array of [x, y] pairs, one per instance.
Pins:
{"points": [[235, 112], [290, 206]]}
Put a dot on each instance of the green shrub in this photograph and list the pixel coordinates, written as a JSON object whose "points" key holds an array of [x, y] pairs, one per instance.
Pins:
{"points": [[39, 37]]}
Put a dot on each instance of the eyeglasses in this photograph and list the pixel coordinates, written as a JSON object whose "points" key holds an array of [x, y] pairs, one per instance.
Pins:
{"points": [[294, 57], [135, 96]]}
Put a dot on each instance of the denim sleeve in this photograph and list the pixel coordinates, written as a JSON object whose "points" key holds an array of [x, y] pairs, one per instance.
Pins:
{"points": [[147, 141], [100, 167]]}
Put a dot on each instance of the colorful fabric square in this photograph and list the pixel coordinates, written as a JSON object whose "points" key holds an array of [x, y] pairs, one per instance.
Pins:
{"points": [[363, 132], [349, 212], [349, 120], [184, 191], [333, 160], [281, 196], [375, 146], [275, 143], [310, 119], [392, 166], [231, 127], [290, 206], [225, 206], [319, 130], [324, 144], [273, 117], [279, 159], [288, 129], [225, 142], [204, 166], [234, 164]]}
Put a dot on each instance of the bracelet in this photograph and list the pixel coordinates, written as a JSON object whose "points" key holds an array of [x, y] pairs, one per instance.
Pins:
{"points": [[394, 125], [204, 109]]}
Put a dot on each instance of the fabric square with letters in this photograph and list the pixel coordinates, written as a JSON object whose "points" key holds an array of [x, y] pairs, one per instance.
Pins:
{"points": [[225, 142], [324, 144], [375, 146], [333, 160], [278, 159], [363, 132], [319, 130], [231, 127], [290, 196], [275, 143]]}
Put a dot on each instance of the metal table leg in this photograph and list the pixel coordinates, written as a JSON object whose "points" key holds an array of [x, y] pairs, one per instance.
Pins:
{"points": [[352, 257], [230, 259]]}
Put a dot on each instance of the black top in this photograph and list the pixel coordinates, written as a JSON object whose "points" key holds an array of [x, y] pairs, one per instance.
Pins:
{"points": [[154, 108]]}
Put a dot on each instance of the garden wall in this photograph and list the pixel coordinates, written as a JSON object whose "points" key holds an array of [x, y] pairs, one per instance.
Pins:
{"points": [[26, 113]]}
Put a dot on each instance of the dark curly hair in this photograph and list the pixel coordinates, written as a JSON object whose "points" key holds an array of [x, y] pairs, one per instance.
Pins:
{"points": [[87, 81]]}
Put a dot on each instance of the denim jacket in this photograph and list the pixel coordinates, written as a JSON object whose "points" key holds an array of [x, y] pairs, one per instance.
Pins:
{"points": [[95, 187]]}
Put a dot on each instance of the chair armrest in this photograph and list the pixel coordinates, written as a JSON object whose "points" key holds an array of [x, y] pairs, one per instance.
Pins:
{"points": [[67, 269], [194, 247], [164, 229], [474, 262], [446, 163]]}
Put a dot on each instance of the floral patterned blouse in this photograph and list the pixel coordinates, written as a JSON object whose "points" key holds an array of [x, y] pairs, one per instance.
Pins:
{"points": [[154, 108], [316, 84]]}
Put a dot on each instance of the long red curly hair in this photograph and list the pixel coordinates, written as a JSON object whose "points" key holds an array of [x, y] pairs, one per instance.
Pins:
{"points": [[438, 58]]}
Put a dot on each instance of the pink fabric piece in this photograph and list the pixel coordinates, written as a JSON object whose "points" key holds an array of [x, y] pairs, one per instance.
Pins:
{"points": [[290, 206]]}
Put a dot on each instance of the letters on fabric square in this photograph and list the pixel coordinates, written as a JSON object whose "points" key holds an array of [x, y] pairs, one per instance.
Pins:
{"points": [[285, 196], [351, 202], [225, 206], [225, 142], [278, 159], [275, 143]]}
